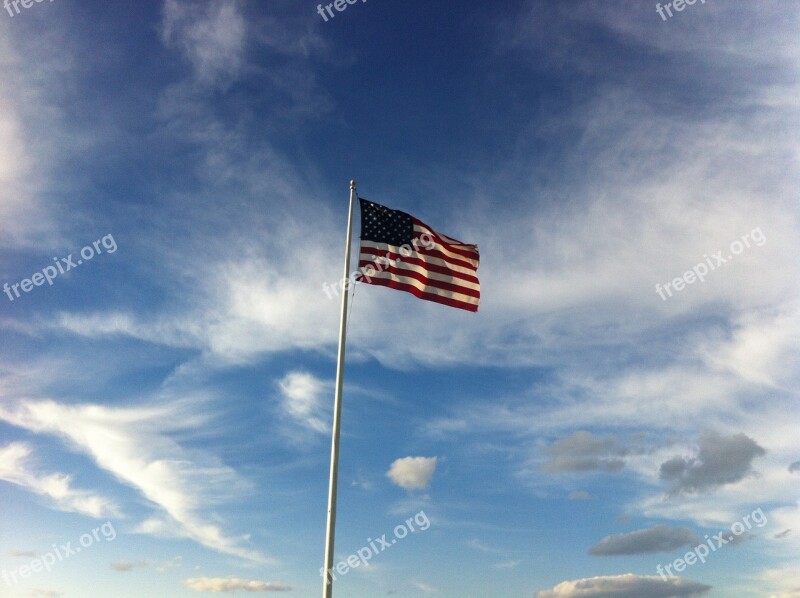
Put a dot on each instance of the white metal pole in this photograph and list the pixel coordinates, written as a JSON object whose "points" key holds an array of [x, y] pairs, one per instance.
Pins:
{"points": [[327, 578]]}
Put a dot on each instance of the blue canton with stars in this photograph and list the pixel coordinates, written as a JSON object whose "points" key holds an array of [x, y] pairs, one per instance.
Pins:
{"points": [[382, 225]]}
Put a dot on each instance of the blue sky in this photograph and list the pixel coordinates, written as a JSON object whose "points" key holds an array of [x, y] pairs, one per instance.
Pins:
{"points": [[165, 404]]}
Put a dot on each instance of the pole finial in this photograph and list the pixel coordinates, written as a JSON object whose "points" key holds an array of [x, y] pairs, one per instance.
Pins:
{"points": [[352, 183]]}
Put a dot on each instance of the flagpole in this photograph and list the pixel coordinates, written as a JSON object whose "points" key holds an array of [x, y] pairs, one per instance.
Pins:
{"points": [[327, 579]]}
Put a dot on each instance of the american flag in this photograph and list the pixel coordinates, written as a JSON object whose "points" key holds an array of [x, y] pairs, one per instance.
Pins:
{"points": [[401, 252]]}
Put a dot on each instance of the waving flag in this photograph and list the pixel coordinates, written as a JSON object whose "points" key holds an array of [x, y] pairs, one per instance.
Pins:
{"points": [[403, 253]]}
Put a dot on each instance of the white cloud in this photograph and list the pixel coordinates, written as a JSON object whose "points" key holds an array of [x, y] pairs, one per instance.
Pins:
{"points": [[626, 586], [211, 36], [782, 582], [232, 584], [478, 545], [134, 445], [302, 400], [29, 134], [507, 565], [159, 567], [243, 302], [15, 468], [412, 473], [424, 587], [761, 349]]}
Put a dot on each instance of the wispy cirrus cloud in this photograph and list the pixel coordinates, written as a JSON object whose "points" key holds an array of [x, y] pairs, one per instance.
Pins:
{"points": [[159, 567], [233, 584], [210, 35], [476, 544], [301, 400], [424, 587], [134, 445], [16, 467], [19, 554], [29, 137], [507, 565]]}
